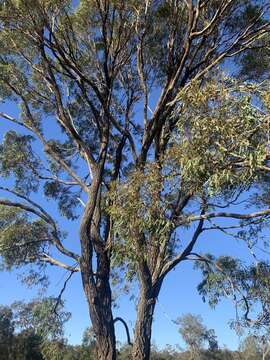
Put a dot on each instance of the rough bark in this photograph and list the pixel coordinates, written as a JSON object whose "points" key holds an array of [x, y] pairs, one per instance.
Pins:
{"points": [[142, 335], [96, 284], [99, 304], [103, 325]]}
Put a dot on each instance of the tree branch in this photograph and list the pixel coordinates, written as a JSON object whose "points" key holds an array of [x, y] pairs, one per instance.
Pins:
{"points": [[189, 219], [41, 213], [172, 263], [126, 328], [48, 259]]}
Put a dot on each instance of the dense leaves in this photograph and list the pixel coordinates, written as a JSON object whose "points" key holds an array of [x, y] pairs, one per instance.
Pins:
{"points": [[22, 240], [18, 158], [32, 330], [218, 148]]}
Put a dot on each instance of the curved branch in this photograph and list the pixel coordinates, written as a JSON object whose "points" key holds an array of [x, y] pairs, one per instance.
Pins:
{"points": [[126, 328], [182, 256], [59, 298], [31, 202], [25, 208]]}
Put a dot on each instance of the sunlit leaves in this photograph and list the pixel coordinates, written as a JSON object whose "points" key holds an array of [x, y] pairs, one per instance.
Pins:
{"points": [[42, 316], [221, 138], [40, 329], [218, 146]]}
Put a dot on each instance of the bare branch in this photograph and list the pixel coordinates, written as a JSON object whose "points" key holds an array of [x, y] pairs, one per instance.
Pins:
{"points": [[126, 328], [62, 291], [182, 256], [48, 259], [224, 214]]}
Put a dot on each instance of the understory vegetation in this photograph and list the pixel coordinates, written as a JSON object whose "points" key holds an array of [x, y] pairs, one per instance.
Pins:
{"points": [[32, 331]]}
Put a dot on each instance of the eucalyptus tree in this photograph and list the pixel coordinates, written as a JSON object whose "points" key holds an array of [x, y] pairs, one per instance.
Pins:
{"points": [[218, 150], [79, 73], [248, 287], [6, 332], [195, 334], [254, 347], [32, 330]]}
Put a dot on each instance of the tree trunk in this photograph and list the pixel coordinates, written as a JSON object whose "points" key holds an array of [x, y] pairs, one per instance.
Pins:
{"points": [[143, 329], [98, 295], [103, 325], [96, 284]]}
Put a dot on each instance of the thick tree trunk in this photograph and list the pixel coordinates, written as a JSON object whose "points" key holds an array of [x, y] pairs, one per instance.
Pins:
{"points": [[103, 324], [98, 295], [96, 284], [143, 329]]}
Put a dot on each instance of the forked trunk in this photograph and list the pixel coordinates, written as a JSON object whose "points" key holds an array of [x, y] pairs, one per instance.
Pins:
{"points": [[143, 329]]}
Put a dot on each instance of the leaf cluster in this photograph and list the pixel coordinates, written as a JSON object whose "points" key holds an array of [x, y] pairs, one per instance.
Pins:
{"points": [[22, 239]]}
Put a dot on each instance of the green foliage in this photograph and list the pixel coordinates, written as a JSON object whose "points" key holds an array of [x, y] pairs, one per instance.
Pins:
{"points": [[39, 334], [28, 342], [67, 199], [195, 334], [138, 211], [247, 286], [22, 239], [216, 149], [218, 128], [17, 158], [81, 70], [26, 345], [6, 332], [87, 349], [43, 316]]}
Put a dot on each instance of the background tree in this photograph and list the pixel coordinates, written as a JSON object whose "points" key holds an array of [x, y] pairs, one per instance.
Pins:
{"points": [[33, 330], [248, 287], [27, 345], [45, 320], [6, 332], [88, 345], [195, 334], [80, 72], [250, 348]]}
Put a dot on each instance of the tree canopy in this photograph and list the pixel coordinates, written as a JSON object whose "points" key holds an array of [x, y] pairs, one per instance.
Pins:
{"points": [[126, 119]]}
